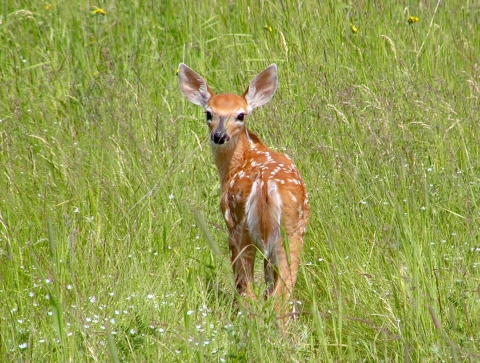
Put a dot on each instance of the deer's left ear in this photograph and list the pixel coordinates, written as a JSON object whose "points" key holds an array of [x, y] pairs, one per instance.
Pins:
{"points": [[262, 87], [193, 86]]}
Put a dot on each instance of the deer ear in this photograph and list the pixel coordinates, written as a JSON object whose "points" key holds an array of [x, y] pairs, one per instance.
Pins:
{"points": [[193, 86], [262, 87]]}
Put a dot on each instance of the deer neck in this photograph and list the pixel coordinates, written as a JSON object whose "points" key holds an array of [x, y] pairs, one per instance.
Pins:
{"points": [[231, 156]]}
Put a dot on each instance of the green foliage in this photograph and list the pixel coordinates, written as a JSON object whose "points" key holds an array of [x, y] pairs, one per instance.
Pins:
{"points": [[103, 164]]}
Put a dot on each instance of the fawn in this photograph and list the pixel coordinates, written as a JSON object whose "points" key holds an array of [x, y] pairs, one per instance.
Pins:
{"points": [[262, 192]]}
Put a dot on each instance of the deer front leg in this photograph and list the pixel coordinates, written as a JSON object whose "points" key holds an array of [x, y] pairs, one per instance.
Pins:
{"points": [[242, 253]]}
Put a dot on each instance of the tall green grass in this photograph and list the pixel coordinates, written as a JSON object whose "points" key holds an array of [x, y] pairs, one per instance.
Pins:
{"points": [[109, 196]]}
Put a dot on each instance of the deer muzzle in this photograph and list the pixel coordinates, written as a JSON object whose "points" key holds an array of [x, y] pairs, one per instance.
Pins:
{"points": [[219, 137]]}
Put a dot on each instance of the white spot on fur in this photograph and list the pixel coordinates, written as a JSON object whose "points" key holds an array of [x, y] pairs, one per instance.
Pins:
{"points": [[228, 217], [275, 171], [293, 197], [300, 212]]}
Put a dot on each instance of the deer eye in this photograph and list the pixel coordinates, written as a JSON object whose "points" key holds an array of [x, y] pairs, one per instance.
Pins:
{"points": [[241, 116], [209, 115]]}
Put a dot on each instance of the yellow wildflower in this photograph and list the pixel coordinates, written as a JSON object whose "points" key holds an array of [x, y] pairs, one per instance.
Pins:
{"points": [[268, 27], [413, 19], [354, 28], [99, 11]]}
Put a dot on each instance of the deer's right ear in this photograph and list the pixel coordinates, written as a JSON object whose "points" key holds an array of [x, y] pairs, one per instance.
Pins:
{"points": [[193, 86]]}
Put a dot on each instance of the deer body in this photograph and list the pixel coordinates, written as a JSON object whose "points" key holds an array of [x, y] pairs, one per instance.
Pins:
{"points": [[262, 192]]}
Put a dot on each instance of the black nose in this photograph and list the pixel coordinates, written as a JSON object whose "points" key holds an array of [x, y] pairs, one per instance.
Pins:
{"points": [[219, 138]]}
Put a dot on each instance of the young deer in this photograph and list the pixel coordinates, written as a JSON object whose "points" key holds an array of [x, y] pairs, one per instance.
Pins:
{"points": [[262, 191]]}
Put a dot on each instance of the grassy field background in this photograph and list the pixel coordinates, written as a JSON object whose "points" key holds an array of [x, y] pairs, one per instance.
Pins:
{"points": [[103, 164]]}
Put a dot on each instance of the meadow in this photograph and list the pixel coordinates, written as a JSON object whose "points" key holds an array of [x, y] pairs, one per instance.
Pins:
{"points": [[109, 195]]}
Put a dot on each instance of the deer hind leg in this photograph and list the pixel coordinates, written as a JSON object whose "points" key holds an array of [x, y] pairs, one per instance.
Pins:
{"points": [[287, 269], [269, 233], [270, 259], [242, 252], [270, 274], [281, 260]]}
